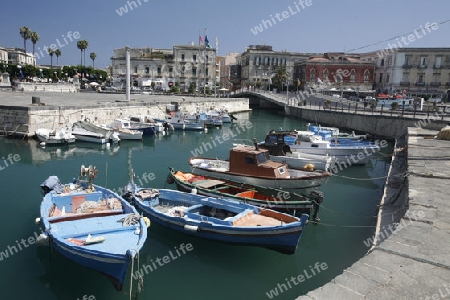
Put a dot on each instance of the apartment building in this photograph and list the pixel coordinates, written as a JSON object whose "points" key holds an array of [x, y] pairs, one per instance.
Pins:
{"points": [[414, 71], [183, 64], [260, 62], [335, 72]]}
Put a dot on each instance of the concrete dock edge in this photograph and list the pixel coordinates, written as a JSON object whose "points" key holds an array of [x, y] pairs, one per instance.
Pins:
{"points": [[413, 262]]}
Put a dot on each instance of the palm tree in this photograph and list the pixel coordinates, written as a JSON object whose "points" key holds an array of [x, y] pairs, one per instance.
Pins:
{"points": [[58, 54], [50, 52], [34, 36], [25, 33], [93, 56], [82, 45], [281, 77]]}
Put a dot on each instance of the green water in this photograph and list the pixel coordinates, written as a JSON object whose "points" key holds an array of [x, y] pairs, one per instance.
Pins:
{"points": [[210, 270]]}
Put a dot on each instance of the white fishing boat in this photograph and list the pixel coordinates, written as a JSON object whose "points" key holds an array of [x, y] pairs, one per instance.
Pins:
{"points": [[124, 134], [252, 165], [308, 142], [88, 132], [55, 137]]}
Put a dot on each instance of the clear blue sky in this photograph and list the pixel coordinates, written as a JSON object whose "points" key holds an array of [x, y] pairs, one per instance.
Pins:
{"points": [[324, 26]]}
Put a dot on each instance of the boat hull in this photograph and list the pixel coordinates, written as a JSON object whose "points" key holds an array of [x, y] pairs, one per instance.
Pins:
{"points": [[114, 267], [298, 179], [69, 232], [342, 154], [254, 195], [55, 141], [300, 162], [279, 238]]}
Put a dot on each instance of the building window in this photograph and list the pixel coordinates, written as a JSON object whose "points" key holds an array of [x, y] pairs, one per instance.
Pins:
{"points": [[182, 57], [352, 76], [387, 78], [194, 58], [170, 71], [182, 71], [312, 75], [135, 69], [147, 70], [325, 75], [407, 60], [438, 62], [366, 76], [389, 61], [423, 61], [159, 71], [381, 78], [194, 71], [436, 77], [420, 78], [206, 72], [382, 62]]}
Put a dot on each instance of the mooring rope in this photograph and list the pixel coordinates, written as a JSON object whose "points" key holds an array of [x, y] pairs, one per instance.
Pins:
{"points": [[376, 178]]}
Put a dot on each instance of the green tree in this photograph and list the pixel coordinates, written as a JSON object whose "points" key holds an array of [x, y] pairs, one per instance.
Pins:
{"points": [[34, 36], [192, 87], [93, 56], [82, 45], [25, 33], [50, 52], [58, 54], [281, 77]]}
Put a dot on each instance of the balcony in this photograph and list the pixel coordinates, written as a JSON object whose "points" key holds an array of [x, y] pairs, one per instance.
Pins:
{"points": [[435, 84], [420, 83], [405, 83], [407, 66], [437, 67], [422, 66]]}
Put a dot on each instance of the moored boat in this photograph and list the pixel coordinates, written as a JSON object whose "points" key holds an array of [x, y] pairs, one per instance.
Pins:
{"points": [[252, 165], [308, 142], [260, 196], [220, 220], [91, 225], [55, 137], [88, 132]]}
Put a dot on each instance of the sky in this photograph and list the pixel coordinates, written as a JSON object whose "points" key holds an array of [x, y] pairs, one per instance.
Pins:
{"points": [[313, 26]]}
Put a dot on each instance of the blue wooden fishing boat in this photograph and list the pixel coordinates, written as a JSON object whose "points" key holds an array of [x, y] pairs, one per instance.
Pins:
{"points": [[221, 220], [92, 225]]}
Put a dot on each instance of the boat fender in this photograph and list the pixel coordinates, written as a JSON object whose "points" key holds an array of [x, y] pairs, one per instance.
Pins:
{"points": [[194, 191], [42, 239], [146, 221], [191, 228], [308, 167]]}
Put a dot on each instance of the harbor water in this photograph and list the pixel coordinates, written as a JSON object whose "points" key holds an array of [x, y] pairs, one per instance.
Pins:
{"points": [[209, 270]]}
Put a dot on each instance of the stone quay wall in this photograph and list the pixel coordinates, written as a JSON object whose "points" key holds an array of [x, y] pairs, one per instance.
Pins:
{"points": [[24, 120]]}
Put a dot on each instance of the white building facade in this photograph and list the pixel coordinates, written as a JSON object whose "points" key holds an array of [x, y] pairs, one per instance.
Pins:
{"points": [[181, 65]]}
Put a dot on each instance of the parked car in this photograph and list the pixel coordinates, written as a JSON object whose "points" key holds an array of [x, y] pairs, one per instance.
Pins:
{"points": [[354, 98], [336, 96]]}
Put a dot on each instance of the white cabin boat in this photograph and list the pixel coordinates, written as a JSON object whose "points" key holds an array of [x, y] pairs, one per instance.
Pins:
{"points": [[55, 137]]}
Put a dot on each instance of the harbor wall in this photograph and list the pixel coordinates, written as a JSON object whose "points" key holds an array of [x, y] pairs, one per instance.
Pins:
{"points": [[391, 126], [48, 87], [24, 120]]}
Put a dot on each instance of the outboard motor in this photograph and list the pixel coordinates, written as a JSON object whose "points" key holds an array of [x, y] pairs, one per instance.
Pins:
{"points": [[317, 197]]}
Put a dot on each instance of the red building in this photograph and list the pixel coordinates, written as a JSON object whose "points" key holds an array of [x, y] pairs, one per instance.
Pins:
{"points": [[335, 72]]}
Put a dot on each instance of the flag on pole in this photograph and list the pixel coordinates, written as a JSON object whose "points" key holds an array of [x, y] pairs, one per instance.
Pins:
{"points": [[217, 43], [206, 42], [201, 39]]}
